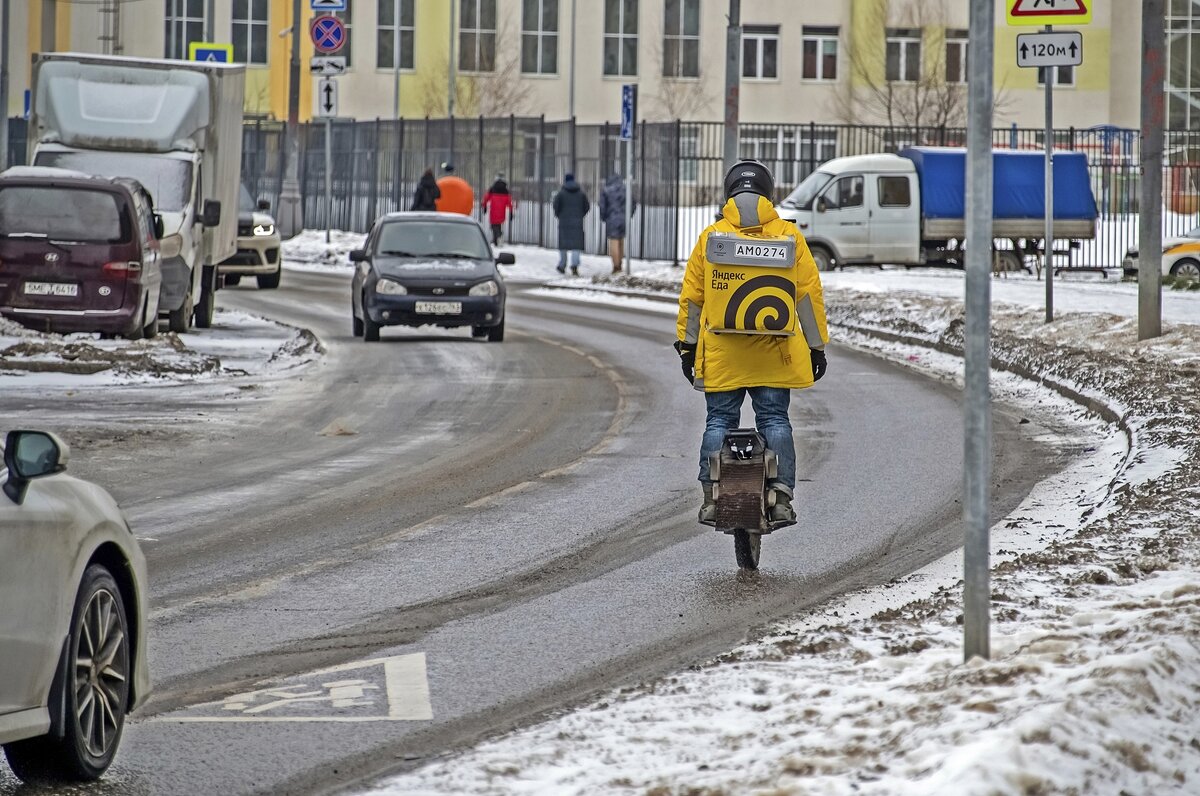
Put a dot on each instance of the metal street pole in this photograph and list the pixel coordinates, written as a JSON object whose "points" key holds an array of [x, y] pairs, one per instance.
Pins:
{"points": [[977, 421], [1150, 212], [210, 21], [328, 178], [733, 78], [396, 60], [4, 56], [571, 86], [453, 70], [291, 215], [1048, 260], [627, 245]]}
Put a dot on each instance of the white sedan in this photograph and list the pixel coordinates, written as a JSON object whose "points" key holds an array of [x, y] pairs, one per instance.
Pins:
{"points": [[72, 616], [1180, 257]]}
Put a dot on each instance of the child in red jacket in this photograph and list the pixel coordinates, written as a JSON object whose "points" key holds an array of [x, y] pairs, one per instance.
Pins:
{"points": [[499, 204]]}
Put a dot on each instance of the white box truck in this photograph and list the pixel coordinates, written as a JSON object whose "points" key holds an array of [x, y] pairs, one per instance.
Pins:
{"points": [[176, 127], [910, 208]]}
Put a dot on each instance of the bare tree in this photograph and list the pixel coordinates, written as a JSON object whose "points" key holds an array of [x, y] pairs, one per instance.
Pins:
{"points": [[933, 99], [498, 92], [676, 97]]}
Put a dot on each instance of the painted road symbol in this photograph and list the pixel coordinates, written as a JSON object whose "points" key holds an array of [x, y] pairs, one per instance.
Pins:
{"points": [[1049, 12], [381, 689], [328, 34], [1064, 48]]}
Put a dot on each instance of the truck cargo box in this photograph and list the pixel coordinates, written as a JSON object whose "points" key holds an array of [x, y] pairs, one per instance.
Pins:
{"points": [[1018, 192]]}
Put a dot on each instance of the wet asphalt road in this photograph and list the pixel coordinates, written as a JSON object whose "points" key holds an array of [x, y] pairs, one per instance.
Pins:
{"points": [[519, 514]]}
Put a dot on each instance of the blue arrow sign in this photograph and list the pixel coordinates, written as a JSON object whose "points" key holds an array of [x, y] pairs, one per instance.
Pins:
{"points": [[628, 110]]}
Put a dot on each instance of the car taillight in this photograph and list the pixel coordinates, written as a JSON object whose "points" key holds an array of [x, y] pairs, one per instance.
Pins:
{"points": [[122, 268]]}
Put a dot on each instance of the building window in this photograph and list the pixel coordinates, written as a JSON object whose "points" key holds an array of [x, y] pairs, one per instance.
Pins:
{"points": [[347, 18], [956, 56], [184, 25], [820, 50], [760, 52], [539, 37], [681, 39], [477, 36], [1064, 75], [388, 31], [250, 31], [904, 54], [620, 37], [1183, 65]]}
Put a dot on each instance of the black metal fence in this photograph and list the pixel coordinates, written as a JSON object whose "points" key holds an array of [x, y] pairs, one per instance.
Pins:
{"points": [[677, 170]]}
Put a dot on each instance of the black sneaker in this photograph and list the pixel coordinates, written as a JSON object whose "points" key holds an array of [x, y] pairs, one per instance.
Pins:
{"points": [[782, 512]]}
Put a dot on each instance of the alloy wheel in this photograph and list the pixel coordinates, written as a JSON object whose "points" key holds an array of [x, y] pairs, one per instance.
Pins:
{"points": [[101, 674]]}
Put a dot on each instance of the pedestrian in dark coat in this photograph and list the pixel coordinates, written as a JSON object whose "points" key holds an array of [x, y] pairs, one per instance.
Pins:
{"points": [[427, 193], [612, 213], [499, 204], [570, 206]]}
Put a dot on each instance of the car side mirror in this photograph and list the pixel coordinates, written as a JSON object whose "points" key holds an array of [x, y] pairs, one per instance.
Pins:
{"points": [[822, 205], [159, 231], [264, 205], [506, 258], [211, 215], [29, 455], [358, 255]]}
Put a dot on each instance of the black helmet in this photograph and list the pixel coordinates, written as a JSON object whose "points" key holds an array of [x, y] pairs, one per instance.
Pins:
{"points": [[752, 176]]}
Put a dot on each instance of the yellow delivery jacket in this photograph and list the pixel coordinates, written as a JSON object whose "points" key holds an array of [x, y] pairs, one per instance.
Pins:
{"points": [[751, 301]]}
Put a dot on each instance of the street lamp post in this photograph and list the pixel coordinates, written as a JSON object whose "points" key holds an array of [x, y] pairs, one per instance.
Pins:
{"points": [[291, 215]]}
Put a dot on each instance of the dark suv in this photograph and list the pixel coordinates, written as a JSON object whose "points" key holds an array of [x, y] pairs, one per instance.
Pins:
{"points": [[78, 253]]}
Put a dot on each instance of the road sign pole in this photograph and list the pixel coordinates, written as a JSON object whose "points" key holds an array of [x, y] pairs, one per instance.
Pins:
{"points": [[1051, 73], [291, 210], [733, 78], [1150, 209], [977, 421], [396, 59], [328, 178]]}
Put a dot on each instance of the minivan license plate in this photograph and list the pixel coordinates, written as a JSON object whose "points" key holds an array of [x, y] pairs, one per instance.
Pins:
{"points": [[51, 289], [439, 307]]}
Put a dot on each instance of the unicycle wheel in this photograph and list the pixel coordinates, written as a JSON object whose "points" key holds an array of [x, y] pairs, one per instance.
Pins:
{"points": [[746, 547]]}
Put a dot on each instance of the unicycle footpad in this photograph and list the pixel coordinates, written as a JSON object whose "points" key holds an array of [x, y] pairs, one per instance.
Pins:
{"points": [[741, 478]]}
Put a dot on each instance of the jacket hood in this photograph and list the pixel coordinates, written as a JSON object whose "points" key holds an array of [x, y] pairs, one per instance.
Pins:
{"points": [[428, 179], [499, 186], [613, 180], [570, 185], [749, 210]]}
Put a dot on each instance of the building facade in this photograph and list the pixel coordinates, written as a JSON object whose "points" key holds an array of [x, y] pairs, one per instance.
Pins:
{"points": [[853, 61]]}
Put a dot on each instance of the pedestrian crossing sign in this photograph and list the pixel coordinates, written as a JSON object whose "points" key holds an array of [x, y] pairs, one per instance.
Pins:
{"points": [[210, 53]]}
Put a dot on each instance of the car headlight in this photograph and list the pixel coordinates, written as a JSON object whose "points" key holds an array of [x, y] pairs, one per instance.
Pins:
{"points": [[387, 287], [263, 230], [488, 288]]}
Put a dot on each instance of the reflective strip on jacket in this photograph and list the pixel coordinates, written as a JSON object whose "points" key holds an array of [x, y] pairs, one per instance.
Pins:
{"points": [[732, 361]]}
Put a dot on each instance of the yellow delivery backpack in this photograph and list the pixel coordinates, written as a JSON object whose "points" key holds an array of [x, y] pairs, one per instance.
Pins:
{"points": [[751, 286]]}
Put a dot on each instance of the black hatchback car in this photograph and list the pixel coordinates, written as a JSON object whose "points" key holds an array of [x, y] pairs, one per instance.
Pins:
{"points": [[421, 269]]}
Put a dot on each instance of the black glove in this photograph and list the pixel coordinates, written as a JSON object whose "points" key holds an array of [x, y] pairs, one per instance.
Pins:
{"points": [[687, 358], [819, 364]]}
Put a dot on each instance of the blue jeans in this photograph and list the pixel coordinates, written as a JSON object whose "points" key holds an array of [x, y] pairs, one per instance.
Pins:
{"points": [[770, 417], [562, 258]]}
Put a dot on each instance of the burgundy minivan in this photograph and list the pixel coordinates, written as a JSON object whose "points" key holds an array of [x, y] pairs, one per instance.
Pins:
{"points": [[78, 253]]}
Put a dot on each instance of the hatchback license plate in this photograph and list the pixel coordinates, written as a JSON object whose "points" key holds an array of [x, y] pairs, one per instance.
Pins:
{"points": [[51, 289], [439, 307]]}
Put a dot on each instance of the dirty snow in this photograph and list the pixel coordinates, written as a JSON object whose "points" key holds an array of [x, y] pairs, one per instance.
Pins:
{"points": [[1094, 682], [237, 345]]}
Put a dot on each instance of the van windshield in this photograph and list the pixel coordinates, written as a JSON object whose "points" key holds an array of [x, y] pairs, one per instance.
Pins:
{"points": [[802, 197], [63, 214], [168, 181]]}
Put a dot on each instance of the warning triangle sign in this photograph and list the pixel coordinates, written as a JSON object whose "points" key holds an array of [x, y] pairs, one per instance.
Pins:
{"points": [[1048, 8]]}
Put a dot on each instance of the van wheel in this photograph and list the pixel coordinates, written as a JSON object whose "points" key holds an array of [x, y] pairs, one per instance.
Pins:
{"points": [[180, 320], [823, 258], [204, 309], [231, 280], [97, 676], [139, 327], [150, 317], [270, 281], [1008, 261]]}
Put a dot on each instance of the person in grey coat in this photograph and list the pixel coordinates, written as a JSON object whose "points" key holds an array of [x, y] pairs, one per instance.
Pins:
{"points": [[570, 206], [612, 213]]}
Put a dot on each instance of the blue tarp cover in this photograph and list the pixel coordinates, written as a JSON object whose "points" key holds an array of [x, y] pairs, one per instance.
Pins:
{"points": [[1019, 183]]}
